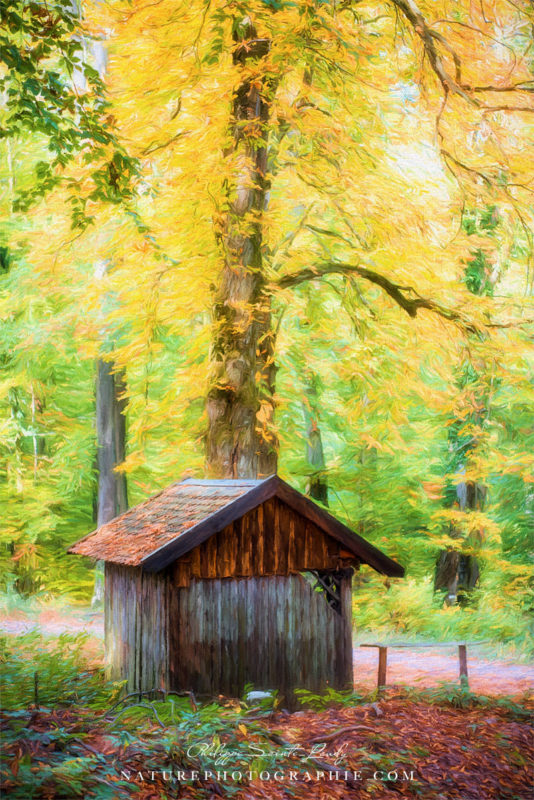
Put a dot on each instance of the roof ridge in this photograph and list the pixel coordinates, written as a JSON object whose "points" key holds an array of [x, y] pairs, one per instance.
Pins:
{"points": [[226, 481]]}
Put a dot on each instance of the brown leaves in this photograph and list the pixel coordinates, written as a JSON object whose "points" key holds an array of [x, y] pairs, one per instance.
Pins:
{"points": [[453, 753]]}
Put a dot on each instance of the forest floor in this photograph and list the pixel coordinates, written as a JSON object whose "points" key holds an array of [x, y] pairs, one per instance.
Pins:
{"points": [[443, 743], [397, 747], [409, 666]]}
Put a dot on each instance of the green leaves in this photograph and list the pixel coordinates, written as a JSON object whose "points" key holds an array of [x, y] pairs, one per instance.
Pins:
{"points": [[63, 674], [52, 92], [477, 274]]}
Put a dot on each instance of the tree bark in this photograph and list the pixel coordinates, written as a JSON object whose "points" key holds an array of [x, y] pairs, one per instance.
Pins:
{"points": [[112, 492], [111, 441], [455, 571], [240, 405], [317, 486]]}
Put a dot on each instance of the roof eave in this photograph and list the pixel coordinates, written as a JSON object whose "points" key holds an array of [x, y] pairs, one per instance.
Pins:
{"points": [[361, 548]]}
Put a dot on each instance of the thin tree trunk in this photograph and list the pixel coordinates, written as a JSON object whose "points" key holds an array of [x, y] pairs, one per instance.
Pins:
{"points": [[38, 441], [456, 571], [317, 486], [26, 582], [111, 438], [112, 492], [240, 406]]}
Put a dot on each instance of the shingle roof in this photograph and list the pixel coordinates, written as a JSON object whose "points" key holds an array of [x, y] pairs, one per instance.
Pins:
{"points": [[129, 538], [169, 524]]}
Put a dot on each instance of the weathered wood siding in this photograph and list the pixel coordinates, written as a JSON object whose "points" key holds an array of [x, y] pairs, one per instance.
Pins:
{"points": [[234, 610], [270, 540], [136, 627], [274, 632]]}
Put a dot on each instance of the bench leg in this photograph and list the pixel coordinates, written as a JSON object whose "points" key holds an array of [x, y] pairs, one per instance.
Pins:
{"points": [[382, 666], [462, 655]]}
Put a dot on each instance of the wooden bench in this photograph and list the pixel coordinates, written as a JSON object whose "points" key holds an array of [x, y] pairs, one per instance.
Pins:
{"points": [[383, 656]]}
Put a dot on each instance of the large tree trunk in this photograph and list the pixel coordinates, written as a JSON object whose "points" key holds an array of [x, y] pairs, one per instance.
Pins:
{"points": [[112, 493], [240, 440]]}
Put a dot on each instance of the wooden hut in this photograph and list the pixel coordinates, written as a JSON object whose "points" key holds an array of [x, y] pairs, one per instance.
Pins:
{"points": [[214, 584]]}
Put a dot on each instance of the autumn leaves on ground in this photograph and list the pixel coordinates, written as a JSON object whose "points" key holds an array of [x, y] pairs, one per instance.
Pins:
{"points": [[69, 735], [392, 748]]}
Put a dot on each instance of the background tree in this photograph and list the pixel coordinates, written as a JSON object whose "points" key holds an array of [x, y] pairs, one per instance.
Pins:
{"points": [[110, 407], [370, 131], [457, 572], [43, 57]]}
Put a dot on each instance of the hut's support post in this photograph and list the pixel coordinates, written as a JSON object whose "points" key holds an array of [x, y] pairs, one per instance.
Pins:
{"points": [[462, 655], [382, 667]]}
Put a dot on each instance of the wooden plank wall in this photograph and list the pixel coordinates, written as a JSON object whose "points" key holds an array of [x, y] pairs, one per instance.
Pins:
{"points": [[270, 540], [234, 610], [273, 632], [136, 627]]}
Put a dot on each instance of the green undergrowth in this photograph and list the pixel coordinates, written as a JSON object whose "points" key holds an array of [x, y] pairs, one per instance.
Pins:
{"points": [[332, 697], [409, 610], [445, 694], [460, 696], [50, 672], [73, 734]]}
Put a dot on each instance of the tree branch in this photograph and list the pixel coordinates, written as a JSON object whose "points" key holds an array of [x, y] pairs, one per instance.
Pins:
{"points": [[400, 294], [490, 109], [482, 33], [448, 156], [521, 86], [152, 148], [429, 39]]}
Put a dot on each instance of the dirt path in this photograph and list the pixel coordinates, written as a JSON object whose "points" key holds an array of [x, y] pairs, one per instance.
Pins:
{"points": [[53, 623], [421, 667], [409, 667]]}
